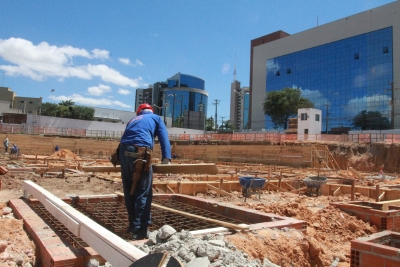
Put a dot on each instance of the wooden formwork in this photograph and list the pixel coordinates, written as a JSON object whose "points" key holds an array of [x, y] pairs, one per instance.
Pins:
{"points": [[257, 154]]}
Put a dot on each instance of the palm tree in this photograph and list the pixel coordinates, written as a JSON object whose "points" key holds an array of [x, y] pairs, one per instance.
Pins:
{"points": [[228, 125], [67, 103]]}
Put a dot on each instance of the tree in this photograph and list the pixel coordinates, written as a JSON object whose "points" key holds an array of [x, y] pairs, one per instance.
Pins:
{"points": [[370, 120], [66, 109], [49, 109], [228, 125], [210, 124], [282, 105], [66, 103]]}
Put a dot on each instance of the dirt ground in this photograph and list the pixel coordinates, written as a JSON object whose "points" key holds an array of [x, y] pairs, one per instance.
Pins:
{"points": [[328, 234]]}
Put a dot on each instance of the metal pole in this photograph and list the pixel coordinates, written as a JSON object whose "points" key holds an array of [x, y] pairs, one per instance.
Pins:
{"points": [[326, 119], [173, 110]]}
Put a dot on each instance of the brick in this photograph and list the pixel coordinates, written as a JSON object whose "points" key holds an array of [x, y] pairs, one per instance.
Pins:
{"points": [[392, 263], [385, 250], [370, 260], [3, 170], [361, 246]]}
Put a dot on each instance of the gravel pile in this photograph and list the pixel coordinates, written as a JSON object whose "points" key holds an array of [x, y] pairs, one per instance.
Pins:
{"points": [[210, 250]]}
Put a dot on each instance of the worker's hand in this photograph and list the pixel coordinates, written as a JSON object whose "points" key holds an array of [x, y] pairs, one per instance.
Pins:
{"points": [[166, 161]]}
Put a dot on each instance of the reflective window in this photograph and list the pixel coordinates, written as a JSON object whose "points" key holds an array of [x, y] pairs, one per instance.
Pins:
{"points": [[341, 78], [180, 101]]}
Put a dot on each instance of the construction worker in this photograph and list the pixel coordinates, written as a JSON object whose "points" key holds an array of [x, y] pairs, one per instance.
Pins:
{"points": [[134, 154], [6, 144]]}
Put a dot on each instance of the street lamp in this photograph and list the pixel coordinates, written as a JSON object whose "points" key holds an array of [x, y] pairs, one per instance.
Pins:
{"points": [[180, 115], [163, 107], [173, 109], [200, 106]]}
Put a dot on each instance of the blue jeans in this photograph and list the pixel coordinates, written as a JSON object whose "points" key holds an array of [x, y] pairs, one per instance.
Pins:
{"points": [[138, 205]]}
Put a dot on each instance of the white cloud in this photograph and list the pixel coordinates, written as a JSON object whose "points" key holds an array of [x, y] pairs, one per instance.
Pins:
{"points": [[138, 62], [125, 61], [43, 61], [315, 96], [272, 66], [87, 101], [371, 103], [102, 54], [112, 76], [124, 91], [154, 34], [225, 68], [99, 90]]}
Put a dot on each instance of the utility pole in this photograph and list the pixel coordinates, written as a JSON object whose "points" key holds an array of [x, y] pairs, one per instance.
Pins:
{"points": [[222, 123], [173, 109], [326, 119], [216, 102]]}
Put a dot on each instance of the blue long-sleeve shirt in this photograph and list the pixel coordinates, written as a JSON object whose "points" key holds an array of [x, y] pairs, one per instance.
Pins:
{"points": [[142, 129]]}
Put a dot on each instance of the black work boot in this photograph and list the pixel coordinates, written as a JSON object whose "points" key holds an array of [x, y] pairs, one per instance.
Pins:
{"points": [[140, 234], [129, 229]]}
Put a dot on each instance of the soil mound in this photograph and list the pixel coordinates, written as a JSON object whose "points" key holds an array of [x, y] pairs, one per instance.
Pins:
{"points": [[63, 154]]}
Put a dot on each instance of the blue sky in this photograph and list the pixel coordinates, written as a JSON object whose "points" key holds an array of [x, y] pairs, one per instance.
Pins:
{"points": [[98, 52]]}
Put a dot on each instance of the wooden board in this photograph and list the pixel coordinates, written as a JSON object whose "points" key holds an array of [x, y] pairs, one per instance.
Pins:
{"points": [[110, 246], [202, 168]]}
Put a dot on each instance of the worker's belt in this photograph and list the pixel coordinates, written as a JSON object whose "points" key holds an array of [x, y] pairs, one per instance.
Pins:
{"points": [[142, 164]]}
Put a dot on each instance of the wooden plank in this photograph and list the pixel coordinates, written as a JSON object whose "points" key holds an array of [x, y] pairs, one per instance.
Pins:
{"points": [[70, 223], [220, 191], [101, 169], [110, 246], [386, 204], [202, 168], [337, 191], [229, 225], [170, 189], [382, 195], [356, 173]]}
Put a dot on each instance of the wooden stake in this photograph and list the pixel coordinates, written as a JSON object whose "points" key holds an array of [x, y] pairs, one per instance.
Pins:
{"points": [[353, 189], [377, 193]]}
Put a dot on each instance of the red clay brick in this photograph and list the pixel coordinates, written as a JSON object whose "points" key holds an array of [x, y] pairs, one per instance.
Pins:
{"points": [[361, 246], [392, 263], [385, 250], [370, 260]]}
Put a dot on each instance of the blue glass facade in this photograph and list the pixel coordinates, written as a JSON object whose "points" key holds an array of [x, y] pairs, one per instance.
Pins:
{"points": [[341, 78], [184, 80], [184, 93], [185, 100]]}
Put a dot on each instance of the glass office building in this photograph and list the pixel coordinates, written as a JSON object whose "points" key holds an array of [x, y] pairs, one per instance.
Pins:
{"points": [[184, 94], [341, 78], [246, 105], [344, 67]]}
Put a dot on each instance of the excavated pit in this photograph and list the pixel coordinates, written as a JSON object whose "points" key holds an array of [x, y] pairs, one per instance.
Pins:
{"points": [[110, 212]]}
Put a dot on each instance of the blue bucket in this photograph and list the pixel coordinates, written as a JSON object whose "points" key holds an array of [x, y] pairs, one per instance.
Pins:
{"points": [[245, 182]]}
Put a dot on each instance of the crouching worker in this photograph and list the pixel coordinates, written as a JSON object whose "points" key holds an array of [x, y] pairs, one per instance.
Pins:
{"points": [[134, 153], [14, 151]]}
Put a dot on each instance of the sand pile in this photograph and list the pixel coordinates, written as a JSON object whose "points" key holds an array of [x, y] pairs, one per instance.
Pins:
{"points": [[63, 154]]}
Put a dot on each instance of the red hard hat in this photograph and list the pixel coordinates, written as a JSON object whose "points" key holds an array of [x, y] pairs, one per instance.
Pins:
{"points": [[144, 106]]}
